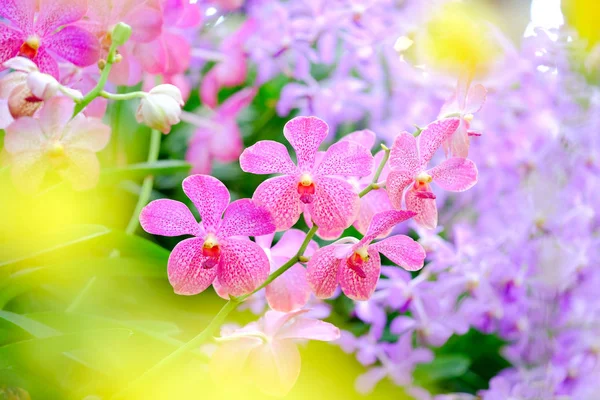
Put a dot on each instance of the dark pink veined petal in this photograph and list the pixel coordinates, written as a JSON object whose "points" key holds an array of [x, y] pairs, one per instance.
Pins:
{"points": [[475, 99], [267, 157], [242, 268], [403, 251], [346, 158], [280, 197], [290, 291], [365, 138], [306, 134], [372, 203], [404, 154], [83, 168], [75, 45], [311, 329], [19, 12], [335, 205], [24, 134], [432, 137], [169, 218], [86, 134], [395, 184], [425, 208], [274, 367], [384, 221], [357, 287], [10, 43], [185, 268], [210, 197], [55, 115], [322, 271], [245, 218], [455, 174], [55, 13], [46, 63]]}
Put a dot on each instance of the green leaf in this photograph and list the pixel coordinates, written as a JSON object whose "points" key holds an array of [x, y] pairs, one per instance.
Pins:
{"points": [[442, 367], [21, 250], [141, 170], [33, 327]]}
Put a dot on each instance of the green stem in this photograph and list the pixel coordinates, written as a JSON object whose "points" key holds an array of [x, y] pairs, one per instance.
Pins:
{"points": [[146, 185], [95, 92], [374, 185], [216, 322], [125, 96]]}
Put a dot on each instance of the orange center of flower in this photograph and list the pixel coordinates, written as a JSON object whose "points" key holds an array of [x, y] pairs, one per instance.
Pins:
{"points": [[211, 250], [30, 48], [306, 189], [357, 261]]}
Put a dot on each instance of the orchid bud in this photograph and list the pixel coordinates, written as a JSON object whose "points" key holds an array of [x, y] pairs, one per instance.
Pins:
{"points": [[43, 86], [161, 108], [121, 33]]}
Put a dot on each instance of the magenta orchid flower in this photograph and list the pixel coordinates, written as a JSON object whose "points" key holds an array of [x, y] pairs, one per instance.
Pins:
{"points": [[290, 291], [356, 265], [265, 352], [409, 157], [220, 138], [43, 33], [318, 188], [216, 254], [465, 102], [55, 141]]}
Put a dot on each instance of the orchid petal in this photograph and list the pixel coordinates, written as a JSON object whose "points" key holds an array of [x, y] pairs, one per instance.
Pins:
{"points": [[186, 269], [475, 99], [24, 134], [306, 134], [56, 13], [432, 137], [243, 267], [403, 251], [396, 182], [335, 205], [455, 174], [357, 287], [290, 291], [245, 218], [322, 272], [311, 329], [10, 42], [403, 154], [83, 169], [372, 203], [210, 197], [267, 157], [275, 367], [55, 115], [425, 208], [86, 134], [20, 12], [168, 218], [280, 197], [385, 221], [346, 158], [365, 138]]}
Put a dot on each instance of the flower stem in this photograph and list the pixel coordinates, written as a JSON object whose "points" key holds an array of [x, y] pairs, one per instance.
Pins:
{"points": [[374, 185], [146, 185], [216, 322], [124, 96]]}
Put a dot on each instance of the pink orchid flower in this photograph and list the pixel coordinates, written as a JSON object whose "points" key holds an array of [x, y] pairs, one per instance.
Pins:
{"points": [[265, 352], [55, 140], [464, 103], [220, 138], [356, 265], [318, 188], [409, 157], [290, 291], [232, 70], [216, 254], [42, 35]]}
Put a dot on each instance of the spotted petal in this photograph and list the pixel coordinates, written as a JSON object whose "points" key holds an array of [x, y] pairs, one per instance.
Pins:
{"points": [[335, 205], [322, 272], [403, 251], [10, 42], [75, 45], [432, 137], [210, 197], [245, 218], [242, 268], [372, 203], [403, 154], [306, 134], [20, 12], [56, 13], [346, 158], [365, 138], [355, 286], [185, 268], [455, 174], [396, 182], [425, 207], [290, 291], [168, 218], [384, 221], [267, 157], [280, 197]]}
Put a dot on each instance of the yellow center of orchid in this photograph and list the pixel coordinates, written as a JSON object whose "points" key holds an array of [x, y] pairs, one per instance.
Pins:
{"points": [[56, 150], [363, 253], [306, 180], [424, 178], [30, 48], [468, 117]]}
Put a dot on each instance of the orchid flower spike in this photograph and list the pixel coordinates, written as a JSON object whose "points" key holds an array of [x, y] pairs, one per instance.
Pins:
{"points": [[265, 352], [54, 140], [409, 157], [314, 187], [356, 266], [216, 254]]}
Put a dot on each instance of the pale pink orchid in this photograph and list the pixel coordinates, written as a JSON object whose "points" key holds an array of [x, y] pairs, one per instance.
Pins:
{"points": [[218, 253], [43, 30], [265, 354], [356, 265], [290, 291], [465, 102], [409, 157], [160, 108], [145, 19], [55, 141], [218, 138], [318, 188], [232, 69]]}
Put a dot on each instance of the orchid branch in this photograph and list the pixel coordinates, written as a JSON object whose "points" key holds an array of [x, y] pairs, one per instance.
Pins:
{"points": [[374, 185]]}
